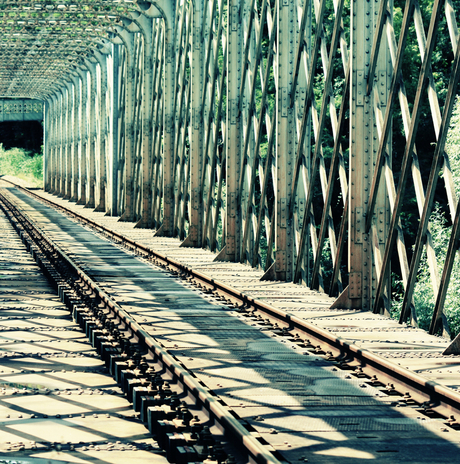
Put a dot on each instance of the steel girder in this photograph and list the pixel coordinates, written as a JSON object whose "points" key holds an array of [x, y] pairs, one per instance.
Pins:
{"points": [[70, 45], [260, 129]]}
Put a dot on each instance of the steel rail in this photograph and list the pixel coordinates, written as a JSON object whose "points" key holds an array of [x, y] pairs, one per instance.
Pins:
{"points": [[430, 393], [221, 414]]}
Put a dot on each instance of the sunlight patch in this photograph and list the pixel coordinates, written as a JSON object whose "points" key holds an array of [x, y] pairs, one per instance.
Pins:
{"points": [[347, 453]]}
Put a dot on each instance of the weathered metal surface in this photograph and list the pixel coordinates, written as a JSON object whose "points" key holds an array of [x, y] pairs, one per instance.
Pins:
{"points": [[260, 129], [386, 336], [58, 402], [20, 110], [303, 405]]}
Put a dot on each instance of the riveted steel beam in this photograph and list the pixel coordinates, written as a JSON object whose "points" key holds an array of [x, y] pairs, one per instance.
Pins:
{"points": [[245, 127], [196, 130]]}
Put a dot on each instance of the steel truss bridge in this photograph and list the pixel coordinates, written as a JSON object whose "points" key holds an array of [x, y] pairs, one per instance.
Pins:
{"points": [[260, 129]]}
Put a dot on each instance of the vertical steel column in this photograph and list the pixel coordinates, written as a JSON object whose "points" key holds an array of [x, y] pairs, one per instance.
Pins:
{"points": [[381, 221], [128, 212], [53, 156], [46, 146], [158, 131], [103, 133], [250, 20], [60, 141], [167, 228], [90, 203], [147, 27], [231, 250], [358, 291], [63, 144], [286, 141], [137, 126], [115, 129], [56, 144], [299, 92], [363, 147], [195, 233], [49, 126], [84, 136], [76, 138], [67, 193]]}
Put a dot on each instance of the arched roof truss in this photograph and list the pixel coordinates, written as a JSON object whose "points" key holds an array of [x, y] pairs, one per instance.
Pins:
{"points": [[43, 43]]}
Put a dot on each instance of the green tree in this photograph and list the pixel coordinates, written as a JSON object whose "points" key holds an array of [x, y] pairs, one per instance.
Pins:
{"points": [[440, 228], [22, 164]]}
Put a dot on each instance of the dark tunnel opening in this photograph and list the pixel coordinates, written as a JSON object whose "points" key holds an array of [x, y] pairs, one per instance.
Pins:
{"points": [[21, 134]]}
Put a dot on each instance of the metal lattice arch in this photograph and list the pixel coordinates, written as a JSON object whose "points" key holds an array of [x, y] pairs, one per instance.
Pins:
{"points": [[45, 42], [258, 129], [62, 53]]}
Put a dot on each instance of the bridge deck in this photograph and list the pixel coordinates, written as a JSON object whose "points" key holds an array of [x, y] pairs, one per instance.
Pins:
{"points": [[303, 406], [58, 402], [409, 347]]}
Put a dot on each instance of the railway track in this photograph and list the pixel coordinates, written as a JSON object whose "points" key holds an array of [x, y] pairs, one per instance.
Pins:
{"points": [[272, 385], [57, 401], [131, 354]]}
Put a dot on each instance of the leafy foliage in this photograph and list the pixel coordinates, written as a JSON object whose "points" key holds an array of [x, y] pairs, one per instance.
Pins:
{"points": [[440, 228], [20, 163], [441, 63], [453, 146]]}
